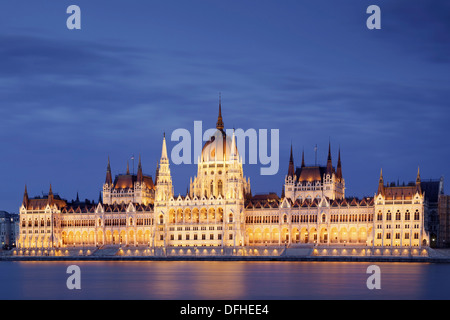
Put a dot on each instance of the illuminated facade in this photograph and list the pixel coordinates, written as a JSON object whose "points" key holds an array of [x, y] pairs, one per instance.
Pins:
{"points": [[219, 210]]}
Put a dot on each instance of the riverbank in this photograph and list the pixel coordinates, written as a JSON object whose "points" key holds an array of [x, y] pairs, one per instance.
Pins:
{"points": [[329, 254], [229, 258]]}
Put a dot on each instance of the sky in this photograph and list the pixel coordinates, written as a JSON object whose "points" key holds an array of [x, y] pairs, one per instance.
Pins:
{"points": [[139, 69]]}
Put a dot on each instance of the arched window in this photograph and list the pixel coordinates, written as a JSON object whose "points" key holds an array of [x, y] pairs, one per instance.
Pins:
{"points": [[324, 218], [211, 188], [220, 188], [161, 219], [379, 216], [230, 218], [407, 215], [397, 215], [389, 216], [416, 215]]}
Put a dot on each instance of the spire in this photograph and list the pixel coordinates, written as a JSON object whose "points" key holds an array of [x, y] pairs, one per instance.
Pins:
{"points": [[291, 164], [139, 171], [329, 163], [381, 183], [50, 195], [418, 187], [219, 124], [303, 158], [78, 198], [418, 176], [108, 179], [100, 200], [128, 168], [329, 151], [339, 167], [164, 148], [25, 197]]}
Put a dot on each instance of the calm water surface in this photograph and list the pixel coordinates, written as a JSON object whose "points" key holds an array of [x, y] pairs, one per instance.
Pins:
{"points": [[223, 280]]}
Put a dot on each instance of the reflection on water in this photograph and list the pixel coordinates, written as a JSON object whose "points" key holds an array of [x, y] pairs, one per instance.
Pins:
{"points": [[223, 280]]}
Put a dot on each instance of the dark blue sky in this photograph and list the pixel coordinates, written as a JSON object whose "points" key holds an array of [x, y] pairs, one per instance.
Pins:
{"points": [[136, 69]]}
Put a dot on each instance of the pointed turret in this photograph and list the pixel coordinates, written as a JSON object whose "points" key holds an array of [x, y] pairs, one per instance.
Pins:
{"points": [[164, 188], [303, 158], [140, 177], [339, 167], [164, 148], [291, 165], [418, 176], [219, 124], [381, 184], [100, 200], [128, 168], [329, 163], [108, 179], [50, 195], [418, 186], [25, 197]]}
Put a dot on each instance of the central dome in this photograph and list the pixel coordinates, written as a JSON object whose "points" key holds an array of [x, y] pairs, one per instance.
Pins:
{"points": [[218, 148]]}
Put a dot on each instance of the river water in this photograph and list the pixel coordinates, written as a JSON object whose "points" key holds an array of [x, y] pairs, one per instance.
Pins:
{"points": [[198, 280]]}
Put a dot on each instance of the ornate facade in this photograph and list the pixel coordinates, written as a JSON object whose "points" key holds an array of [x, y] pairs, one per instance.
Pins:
{"points": [[219, 210]]}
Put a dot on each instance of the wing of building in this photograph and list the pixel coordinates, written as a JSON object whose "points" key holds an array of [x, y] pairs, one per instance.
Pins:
{"points": [[219, 210]]}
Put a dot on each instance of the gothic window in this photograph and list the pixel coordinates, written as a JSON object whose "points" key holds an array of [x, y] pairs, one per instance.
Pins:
{"points": [[211, 189], [397, 215], [230, 218], [416, 215], [220, 188], [407, 215], [389, 216]]}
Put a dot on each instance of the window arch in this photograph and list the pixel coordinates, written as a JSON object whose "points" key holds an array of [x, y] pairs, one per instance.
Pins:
{"points": [[407, 215], [379, 216], [230, 218], [220, 188], [389, 216]]}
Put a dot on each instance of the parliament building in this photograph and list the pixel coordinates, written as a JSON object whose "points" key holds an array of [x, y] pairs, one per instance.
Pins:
{"points": [[219, 210]]}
